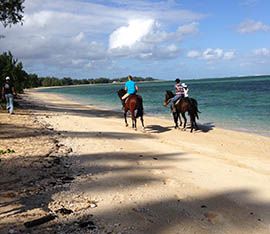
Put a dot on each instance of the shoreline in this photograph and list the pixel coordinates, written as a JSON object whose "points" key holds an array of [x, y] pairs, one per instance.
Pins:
{"points": [[162, 116], [160, 180], [158, 125]]}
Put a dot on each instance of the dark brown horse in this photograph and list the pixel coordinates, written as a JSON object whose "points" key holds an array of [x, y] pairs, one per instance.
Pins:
{"points": [[134, 104], [189, 105]]}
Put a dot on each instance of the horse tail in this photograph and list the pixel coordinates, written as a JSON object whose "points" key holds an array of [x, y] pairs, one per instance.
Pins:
{"points": [[193, 108], [139, 106], [194, 103]]}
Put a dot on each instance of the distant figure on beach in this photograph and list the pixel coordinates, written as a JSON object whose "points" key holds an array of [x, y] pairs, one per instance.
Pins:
{"points": [[179, 93], [8, 92], [185, 89], [130, 87]]}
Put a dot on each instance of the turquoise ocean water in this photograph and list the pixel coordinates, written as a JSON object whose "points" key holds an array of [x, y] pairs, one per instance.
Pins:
{"points": [[241, 104]]}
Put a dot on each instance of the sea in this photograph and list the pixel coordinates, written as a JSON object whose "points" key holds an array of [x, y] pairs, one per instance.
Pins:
{"points": [[235, 103]]}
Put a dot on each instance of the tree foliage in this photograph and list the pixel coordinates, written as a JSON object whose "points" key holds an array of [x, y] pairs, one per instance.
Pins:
{"points": [[14, 69], [11, 12]]}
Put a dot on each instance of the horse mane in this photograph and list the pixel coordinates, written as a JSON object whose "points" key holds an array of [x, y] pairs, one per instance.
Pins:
{"points": [[121, 92], [170, 93]]}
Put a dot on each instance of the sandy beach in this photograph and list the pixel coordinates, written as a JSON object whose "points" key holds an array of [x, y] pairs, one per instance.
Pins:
{"points": [[157, 180]]}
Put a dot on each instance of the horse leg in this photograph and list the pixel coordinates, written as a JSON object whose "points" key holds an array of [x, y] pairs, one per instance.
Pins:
{"points": [[195, 125], [185, 120], [133, 117], [175, 117], [142, 122], [125, 116], [180, 120], [135, 123], [192, 119]]}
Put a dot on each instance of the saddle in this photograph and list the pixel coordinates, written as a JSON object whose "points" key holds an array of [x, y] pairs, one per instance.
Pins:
{"points": [[139, 99], [131, 95], [126, 99]]}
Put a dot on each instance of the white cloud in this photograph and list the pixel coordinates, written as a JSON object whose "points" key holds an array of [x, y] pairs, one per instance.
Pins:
{"points": [[229, 55], [249, 3], [211, 54], [78, 33], [144, 39], [187, 29], [262, 52], [194, 54], [147, 31], [127, 36], [166, 52], [156, 35], [250, 26], [79, 37]]}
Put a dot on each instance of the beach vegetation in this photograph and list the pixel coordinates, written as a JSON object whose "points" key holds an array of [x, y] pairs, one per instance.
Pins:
{"points": [[13, 68]]}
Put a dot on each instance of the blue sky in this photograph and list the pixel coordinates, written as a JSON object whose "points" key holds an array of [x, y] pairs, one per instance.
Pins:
{"points": [[164, 39]]}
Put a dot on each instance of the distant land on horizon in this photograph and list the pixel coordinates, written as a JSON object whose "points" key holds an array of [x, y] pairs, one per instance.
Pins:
{"points": [[229, 77]]}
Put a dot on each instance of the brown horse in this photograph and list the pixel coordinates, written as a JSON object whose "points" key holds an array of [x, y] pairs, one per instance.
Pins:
{"points": [[134, 104], [189, 105]]}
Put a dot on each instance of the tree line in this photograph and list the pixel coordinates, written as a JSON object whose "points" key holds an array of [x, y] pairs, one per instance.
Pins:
{"points": [[9, 66]]}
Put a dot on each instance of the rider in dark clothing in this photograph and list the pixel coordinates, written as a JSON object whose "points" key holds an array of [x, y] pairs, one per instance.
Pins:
{"points": [[8, 92]]}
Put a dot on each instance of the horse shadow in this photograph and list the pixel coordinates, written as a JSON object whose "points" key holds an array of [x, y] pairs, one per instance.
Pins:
{"points": [[206, 127], [158, 128]]}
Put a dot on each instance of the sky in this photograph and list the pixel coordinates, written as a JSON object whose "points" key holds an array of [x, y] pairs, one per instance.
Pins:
{"points": [[167, 39]]}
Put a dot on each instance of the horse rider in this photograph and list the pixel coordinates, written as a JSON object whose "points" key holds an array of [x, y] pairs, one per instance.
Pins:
{"points": [[179, 93], [130, 87], [185, 89]]}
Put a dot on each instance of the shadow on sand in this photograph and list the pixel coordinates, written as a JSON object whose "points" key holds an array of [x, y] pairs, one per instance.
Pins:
{"points": [[200, 213]]}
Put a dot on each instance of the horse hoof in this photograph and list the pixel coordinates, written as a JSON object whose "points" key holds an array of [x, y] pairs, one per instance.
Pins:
{"points": [[183, 129], [126, 125], [135, 129]]}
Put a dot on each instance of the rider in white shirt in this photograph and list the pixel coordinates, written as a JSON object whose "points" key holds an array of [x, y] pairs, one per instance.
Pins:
{"points": [[185, 89]]}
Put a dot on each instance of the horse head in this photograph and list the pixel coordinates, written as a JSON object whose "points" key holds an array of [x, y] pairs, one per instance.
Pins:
{"points": [[121, 93], [168, 96]]}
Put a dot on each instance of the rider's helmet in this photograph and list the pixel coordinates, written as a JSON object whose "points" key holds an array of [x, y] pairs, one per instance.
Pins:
{"points": [[177, 80]]}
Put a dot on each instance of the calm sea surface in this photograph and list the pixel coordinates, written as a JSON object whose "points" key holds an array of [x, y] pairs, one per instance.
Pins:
{"points": [[234, 103]]}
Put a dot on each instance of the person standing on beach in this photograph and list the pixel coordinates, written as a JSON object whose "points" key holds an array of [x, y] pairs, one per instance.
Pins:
{"points": [[130, 87], [179, 93], [8, 92]]}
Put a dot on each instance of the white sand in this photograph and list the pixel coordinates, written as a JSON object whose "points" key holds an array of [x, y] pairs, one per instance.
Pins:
{"points": [[164, 180]]}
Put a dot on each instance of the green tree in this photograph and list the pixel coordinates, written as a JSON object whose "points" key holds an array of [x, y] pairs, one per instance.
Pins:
{"points": [[14, 69], [32, 81], [11, 12]]}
